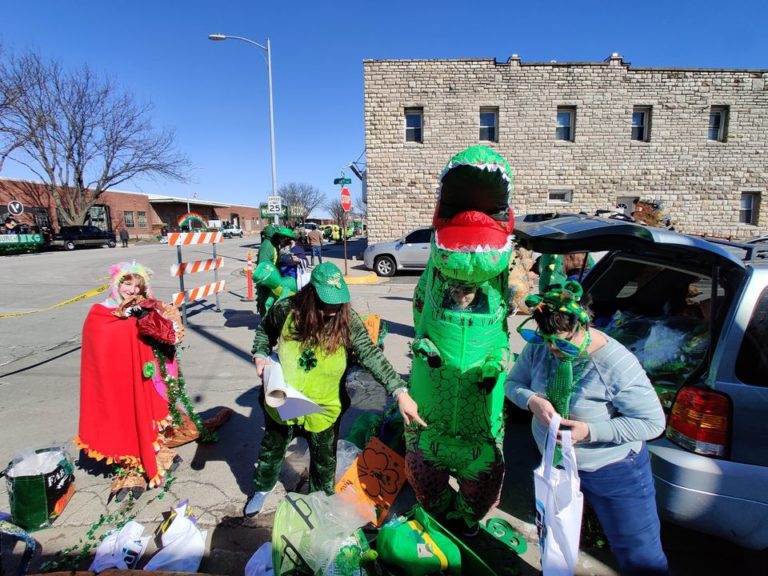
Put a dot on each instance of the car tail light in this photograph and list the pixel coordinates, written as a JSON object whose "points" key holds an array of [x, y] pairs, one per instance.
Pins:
{"points": [[701, 421]]}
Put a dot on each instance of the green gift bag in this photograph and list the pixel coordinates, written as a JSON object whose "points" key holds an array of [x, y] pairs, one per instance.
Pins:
{"points": [[39, 487]]}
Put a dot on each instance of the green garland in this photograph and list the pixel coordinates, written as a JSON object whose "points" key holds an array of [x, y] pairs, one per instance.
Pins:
{"points": [[177, 393], [70, 558]]}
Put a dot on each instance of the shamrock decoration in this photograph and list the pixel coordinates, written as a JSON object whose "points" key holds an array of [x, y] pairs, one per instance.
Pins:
{"points": [[335, 281], [148, 369], [308, 360], [561, 298]]}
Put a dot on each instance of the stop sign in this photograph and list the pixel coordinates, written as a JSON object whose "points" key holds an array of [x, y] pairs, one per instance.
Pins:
{"points": [[346, 199]]}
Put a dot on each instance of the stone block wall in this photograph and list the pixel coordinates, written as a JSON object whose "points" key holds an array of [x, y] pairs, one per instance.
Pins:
{"points": [[699, 181]]}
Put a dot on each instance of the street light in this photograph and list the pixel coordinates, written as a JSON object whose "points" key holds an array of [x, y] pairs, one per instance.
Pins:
{"points": [[218, 37]]}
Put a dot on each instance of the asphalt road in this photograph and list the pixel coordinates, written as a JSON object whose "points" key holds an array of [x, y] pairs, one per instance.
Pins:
{"points": [[39, 391]]}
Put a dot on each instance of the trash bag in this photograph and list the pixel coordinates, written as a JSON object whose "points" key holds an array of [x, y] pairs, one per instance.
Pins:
{"points": [[121, 549], [183, 543], [346, 452], [40, 484], [309, 530]]}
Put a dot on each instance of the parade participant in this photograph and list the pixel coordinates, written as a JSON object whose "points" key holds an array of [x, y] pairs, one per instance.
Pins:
{"points": [[315, 334], [272, 239], [607, 402], [461, 343], [123, 397]]}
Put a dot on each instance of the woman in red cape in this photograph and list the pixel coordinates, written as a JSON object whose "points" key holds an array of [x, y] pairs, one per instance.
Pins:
{"points": [[123, 401]]}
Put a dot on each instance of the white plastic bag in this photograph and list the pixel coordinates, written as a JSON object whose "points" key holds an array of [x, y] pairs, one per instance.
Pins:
{"points": [[346, 453], [121, 549], [183, 545], [260, 563], [559, 506]]}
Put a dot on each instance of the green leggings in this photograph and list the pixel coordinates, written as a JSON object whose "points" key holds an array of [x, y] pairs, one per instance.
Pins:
{"points": [[322, 455]]}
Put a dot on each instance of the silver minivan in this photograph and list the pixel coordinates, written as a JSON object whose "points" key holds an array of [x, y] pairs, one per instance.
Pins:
{"points": [[695, 313]]}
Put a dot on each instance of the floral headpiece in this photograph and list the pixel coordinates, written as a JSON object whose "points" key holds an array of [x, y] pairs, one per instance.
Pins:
{"points": [[561, 299], [122, 269]]}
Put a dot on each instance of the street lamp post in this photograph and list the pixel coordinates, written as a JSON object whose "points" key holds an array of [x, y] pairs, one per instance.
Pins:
{"points": [[268, 50]]}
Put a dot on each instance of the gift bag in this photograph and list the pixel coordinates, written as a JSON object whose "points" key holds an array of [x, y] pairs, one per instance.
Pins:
{"points": [[559, 505], [40, 484]]}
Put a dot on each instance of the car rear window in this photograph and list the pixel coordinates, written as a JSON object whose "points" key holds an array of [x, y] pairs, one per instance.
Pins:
{"points": [[752, 361]]}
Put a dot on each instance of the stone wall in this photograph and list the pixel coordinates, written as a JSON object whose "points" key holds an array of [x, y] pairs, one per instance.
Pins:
{"points": [[698, 181]]}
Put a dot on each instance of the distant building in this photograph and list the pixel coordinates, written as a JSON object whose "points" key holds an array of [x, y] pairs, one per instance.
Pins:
{"points": [[579, 137], [143, 215]]}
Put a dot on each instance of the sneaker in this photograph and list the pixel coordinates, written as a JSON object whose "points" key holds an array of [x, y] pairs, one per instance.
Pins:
{"points": [[255, 504]]}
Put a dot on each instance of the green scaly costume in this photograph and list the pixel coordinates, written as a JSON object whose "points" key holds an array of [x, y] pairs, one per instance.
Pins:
{"points": [[461, 356]]}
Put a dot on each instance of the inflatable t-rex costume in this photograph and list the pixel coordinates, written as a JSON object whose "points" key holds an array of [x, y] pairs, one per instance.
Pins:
{"points": [[461, 348]]}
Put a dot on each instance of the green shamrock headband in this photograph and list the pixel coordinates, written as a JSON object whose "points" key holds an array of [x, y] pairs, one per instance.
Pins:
{"points": [[561, 299]]}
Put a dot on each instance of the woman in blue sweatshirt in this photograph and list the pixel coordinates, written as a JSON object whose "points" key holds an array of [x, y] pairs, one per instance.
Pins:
{"points": [[606, 400]]}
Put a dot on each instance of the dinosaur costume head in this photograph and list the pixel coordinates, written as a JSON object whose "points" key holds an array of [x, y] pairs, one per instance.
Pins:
{"points": [[473, 221]]}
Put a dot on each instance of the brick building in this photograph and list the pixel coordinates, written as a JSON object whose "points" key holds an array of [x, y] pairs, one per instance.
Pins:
{"points": [[143, 215], [579, 137]]}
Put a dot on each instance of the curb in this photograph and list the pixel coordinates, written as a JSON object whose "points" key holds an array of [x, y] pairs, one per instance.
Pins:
{"points": [[371, 278]]}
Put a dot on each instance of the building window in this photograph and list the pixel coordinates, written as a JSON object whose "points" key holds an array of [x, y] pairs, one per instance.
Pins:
{"points": [[749, 208], [489, 124], [566, 122], [718, 124], [641, 123], [414, 122], [128, 217], [560, 196], [142, 218]]}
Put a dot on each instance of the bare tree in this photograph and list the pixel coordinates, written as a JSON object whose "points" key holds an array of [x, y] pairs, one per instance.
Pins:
{"points": [[78, 133], [360, 207], [301, 200], [335, 210]]}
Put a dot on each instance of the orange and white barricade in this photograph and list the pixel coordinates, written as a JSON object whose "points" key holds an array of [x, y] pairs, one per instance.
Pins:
{"points": [[181, 268]]}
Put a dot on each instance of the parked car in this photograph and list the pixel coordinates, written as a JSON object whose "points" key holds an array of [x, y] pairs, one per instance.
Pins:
{"points": [[70, 237], [411, 252], [695, 312], [231, 231]]}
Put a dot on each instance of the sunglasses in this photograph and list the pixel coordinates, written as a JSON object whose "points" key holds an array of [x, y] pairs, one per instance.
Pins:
{"points": [[562, 345]]}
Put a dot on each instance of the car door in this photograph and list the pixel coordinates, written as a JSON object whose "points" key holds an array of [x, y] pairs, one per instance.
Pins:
{"points": [[414, 250]]}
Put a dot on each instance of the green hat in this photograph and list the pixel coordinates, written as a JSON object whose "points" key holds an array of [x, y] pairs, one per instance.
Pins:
{"points": [[329, 284], [286, 232]]}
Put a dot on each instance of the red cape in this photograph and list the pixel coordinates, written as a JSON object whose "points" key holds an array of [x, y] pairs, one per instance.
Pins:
{"points": [[121, 413]]}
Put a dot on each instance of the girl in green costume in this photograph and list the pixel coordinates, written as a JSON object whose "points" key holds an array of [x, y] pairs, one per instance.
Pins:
{"points": [[315, 333]]}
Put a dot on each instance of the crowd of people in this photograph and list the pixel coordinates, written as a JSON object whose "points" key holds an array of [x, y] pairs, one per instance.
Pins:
{"points": [[129, 401]]}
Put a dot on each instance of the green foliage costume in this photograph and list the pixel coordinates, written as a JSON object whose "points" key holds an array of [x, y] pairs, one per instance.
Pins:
{"points": [[461, 344]]}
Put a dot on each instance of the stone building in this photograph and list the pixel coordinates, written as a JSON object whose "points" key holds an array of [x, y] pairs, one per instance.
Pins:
{"points": [[579, 137]]}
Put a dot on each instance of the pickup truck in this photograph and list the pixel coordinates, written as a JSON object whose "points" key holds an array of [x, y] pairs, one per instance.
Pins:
{"points": [[695, 313], [70, 237]]}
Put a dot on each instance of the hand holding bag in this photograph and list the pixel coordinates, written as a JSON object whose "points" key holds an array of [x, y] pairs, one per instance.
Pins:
{"points": [[559, 506]]}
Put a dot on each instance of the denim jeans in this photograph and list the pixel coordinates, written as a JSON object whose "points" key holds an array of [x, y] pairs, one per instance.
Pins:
{"points": [[624, 499], [316, 251]]}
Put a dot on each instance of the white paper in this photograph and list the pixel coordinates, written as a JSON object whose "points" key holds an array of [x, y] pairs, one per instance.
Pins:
{"points": [[278, 394]]}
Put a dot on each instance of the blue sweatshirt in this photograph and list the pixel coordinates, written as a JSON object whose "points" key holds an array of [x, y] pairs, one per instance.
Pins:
{"points": [[612, 394]]}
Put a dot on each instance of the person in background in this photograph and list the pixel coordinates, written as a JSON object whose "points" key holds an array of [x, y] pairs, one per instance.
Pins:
{"points": [[606, 400], [315, 238], [124, 236], [316, 333]]}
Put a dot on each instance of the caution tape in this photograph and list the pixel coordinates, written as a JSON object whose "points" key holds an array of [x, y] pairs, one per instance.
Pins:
{"points": [[88, 294]]}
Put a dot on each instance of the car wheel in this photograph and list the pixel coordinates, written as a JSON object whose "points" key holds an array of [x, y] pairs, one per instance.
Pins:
{"points": [[384, 266], [241, 234], [69, 245], [111, 243]]}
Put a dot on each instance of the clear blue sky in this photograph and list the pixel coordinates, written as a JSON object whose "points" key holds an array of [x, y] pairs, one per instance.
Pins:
{"points": [[215, 95]]}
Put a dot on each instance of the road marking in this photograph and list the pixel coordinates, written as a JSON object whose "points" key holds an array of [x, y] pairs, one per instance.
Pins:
{"points": [[83, 296]]}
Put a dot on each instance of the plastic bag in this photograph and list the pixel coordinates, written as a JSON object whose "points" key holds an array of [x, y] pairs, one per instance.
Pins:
{"points": [[346, 452], [121, 548], [309, 530], [183, 543], [260, 563]]}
